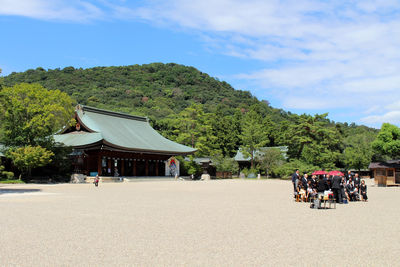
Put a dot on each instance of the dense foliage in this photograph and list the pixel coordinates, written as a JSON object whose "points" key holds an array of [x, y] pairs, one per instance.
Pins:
{"points": [[194, 109], [30, 115], [387, 143], [27, 157]]}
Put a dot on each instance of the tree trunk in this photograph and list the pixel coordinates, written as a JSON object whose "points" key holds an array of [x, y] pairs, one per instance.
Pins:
{"points": [[252, 159]]}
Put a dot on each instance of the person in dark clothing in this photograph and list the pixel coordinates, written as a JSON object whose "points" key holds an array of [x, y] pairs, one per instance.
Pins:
{"points": [[343, 188], [357, 181], [328, 181], [352, 191], [295, 181], [348, 176], [322, 185], [314, 181], [336, 180], [363, 189], [304, 180]]}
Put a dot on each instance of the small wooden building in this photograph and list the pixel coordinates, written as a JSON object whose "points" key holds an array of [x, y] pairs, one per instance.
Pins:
{"points": [[386, 173], [117, 144]]}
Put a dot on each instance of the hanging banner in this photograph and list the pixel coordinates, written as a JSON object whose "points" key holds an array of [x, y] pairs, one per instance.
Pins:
{"points": [[172, 167]]}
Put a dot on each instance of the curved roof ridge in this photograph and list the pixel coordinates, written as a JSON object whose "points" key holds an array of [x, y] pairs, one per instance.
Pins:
{"points": [[84, 108]]}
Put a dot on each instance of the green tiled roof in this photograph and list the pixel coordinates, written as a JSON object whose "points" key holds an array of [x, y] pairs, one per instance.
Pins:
{"points": [[80, 138], [120, 131]]}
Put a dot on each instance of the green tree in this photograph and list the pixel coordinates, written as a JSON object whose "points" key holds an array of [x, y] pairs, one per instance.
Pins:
{"points": [[270, 158], [358, 151], [313, 140], [387, 143], [30, 114], [226, 130], [253, 134], [225, 164], [28, 157], [192, 127]]}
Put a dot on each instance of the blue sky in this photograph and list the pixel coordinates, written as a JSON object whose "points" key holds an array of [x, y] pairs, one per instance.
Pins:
{"points": [[341, 57]]}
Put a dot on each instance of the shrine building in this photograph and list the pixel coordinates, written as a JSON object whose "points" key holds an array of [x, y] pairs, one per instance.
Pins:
{"points": [[117, 144]]}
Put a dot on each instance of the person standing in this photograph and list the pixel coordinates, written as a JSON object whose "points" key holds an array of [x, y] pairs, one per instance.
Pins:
{"points": [[96, 180], [349, 176], [336, 180], [304, 180], [322, 186], [343, 189], [357, 182], [363, 189], [295, 181]]}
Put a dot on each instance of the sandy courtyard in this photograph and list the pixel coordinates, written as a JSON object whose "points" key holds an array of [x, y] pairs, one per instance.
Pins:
{"points": [[185, 223]]}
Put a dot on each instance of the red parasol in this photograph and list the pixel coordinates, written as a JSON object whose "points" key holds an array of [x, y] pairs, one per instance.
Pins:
{"points": [[319, 173], [336, 173]]}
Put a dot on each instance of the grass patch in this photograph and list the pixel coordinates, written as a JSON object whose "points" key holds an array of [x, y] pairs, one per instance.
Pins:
{"points": [[11, 181]]}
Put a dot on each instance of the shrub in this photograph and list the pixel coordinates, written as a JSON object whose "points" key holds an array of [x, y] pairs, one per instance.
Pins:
{"points": [[287, 169], [225, 164], [250, 173], [189, 167], [5, 174], [8, 175]]}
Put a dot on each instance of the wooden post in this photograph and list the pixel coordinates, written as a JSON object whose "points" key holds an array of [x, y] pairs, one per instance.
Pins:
{"points": [[122, 167], [99, 164], [147, 167], [134, 168], [157, 168], [109, 167]]}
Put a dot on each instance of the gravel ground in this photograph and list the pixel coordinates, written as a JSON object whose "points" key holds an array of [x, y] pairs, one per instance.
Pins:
{"points": [[193, 223]]}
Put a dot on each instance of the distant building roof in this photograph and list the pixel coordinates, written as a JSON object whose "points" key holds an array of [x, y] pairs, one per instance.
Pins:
{"points": [[118, 131], [385, 165], [200, 160], [240, 157]]}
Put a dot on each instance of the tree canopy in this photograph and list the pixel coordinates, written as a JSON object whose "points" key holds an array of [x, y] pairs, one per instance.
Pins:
{"points": [[30, 114], [387, 143]]}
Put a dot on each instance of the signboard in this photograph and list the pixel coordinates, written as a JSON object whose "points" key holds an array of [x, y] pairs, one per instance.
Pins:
{"points": [[172, 167]]}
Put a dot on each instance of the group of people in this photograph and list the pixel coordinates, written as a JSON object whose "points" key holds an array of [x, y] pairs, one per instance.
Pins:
{"points": [[344, 188]]}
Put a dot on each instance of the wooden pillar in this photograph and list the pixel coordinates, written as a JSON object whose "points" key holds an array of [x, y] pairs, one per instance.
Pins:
{"points": [[109, 167], [134, 168], [99, 164], [156, 167], [122, 167], [87, 158], [147, 167]]}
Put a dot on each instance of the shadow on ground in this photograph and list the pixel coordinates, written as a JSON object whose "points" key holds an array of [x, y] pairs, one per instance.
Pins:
{"points": [[17, 191]]}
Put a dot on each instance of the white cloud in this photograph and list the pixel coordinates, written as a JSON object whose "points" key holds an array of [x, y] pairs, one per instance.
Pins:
{"points": [[74, 10], [391, 117]]}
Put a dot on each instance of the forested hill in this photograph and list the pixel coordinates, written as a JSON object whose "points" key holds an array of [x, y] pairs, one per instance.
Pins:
{"points": [[194, 109], [155, 90]]}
